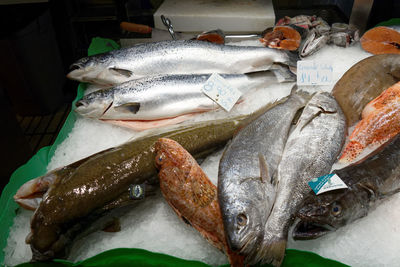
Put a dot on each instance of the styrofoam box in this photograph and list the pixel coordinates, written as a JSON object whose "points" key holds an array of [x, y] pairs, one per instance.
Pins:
{"points": [[231, 16]]}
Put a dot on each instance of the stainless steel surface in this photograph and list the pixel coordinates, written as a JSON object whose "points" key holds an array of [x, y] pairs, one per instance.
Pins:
{"points": [[360, 13]]}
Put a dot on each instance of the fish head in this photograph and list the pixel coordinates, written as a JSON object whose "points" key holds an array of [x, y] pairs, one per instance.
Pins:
{"points": [[94, 105], [99, 70], [245, 212], [321, 214]]}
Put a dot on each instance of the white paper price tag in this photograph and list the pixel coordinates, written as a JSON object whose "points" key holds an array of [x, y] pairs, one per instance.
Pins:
{"points": [[310, 72], [326, 183], [221, 92]]}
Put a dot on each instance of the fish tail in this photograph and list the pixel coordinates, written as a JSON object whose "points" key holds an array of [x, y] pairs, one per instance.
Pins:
{"points": [[271, 253], [292, 58]]}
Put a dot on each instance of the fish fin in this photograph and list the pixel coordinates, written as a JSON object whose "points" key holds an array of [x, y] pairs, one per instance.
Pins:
{"points": [[128, 107], [370, 189], [293, 57], [390, 187], [29, 203], [203, 195], [123, 72], [272, 253], [264, 171]]}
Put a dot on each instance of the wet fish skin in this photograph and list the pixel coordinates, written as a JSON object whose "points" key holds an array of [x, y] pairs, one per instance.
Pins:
{"points": [[368, 182], [365, 81], [175, 57], [164, 96], [101, 179], [322, 127], [188, 190], [245, 189], [380, 123]]}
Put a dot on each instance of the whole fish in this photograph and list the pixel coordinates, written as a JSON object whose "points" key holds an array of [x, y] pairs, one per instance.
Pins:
{"points": [[365, 81], [368, 182], [310, 151], [246, 190], [191, 194], [380, 123], [160, 97], [102, 180], [175, 57]]}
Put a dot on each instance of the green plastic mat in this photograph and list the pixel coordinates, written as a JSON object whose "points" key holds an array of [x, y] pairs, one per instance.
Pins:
{"points": [[36, 166]]}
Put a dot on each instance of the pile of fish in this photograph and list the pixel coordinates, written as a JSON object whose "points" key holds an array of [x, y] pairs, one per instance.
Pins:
{"points": [[264, 172], [157, 84], [308, 34]]}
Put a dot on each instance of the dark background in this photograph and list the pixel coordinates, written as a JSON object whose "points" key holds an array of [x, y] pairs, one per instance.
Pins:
{"points": [[39, 41]]}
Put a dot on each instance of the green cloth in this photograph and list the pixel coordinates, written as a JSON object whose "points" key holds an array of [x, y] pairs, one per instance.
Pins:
{"points": [[36, 166]]}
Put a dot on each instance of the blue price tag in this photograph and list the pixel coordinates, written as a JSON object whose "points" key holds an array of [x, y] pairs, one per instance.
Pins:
{"points": [[326, 183]]}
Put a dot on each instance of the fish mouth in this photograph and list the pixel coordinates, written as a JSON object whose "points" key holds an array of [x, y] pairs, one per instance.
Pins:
{"points": [[305, 230]]}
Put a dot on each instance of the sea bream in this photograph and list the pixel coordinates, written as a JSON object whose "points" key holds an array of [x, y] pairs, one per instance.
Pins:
{"points": [[86, 189], [161, 97], [310, 151], [175, 57], [191, 194], [368, 184], [246, 191]]}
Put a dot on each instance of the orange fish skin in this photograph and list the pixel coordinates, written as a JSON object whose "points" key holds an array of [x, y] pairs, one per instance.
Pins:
{"points": [[191, 194], [380, 123]]}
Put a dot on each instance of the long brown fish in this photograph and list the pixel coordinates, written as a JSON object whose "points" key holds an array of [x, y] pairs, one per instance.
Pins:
{"points": [[81, 191], [190, 193]]}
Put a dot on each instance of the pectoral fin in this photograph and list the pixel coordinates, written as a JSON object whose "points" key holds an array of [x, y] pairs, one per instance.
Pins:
{"points": [[122, 72], [265, 176], [128, 107]]}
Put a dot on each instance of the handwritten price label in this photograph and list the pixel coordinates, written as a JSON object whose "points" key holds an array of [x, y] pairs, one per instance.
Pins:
{"points": [[310, 72], [221, 92]]}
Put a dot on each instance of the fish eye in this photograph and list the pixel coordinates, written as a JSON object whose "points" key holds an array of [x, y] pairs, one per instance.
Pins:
{"points": [[241, 219], [336, 209]]}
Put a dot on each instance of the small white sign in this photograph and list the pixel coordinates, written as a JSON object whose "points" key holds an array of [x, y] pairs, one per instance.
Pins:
{"points": [[221, 92], [326, 183], [310, 72]]}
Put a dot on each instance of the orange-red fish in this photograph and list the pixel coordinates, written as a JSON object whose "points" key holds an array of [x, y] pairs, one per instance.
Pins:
{"points": [[379, 124], [382, 40], [191, 194]]}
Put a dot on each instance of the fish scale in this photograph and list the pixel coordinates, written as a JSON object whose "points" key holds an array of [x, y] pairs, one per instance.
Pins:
{"points": [[247, 164], [310, 151], [175, 57]]}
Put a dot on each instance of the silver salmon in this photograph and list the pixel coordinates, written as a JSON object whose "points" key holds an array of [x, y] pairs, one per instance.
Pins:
{"points": [[310, 151], [368, 183], [245, 189], [175, 57], [161, 97]]}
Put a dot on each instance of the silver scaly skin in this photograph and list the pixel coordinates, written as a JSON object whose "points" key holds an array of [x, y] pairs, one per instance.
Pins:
{"points": [[369, 182], [310, 151], [175, 57], [164, 96], [245, 189]]}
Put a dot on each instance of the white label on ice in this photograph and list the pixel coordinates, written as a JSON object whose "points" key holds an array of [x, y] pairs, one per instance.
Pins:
{"points": [[221, 92], [310, 72], [326, 183]]}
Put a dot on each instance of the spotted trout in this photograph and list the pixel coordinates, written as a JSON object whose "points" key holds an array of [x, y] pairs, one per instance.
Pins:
{"points": [[84, 188], [191, 194], [368, 184], [310, 151], [246, 190], [175, 57]]}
